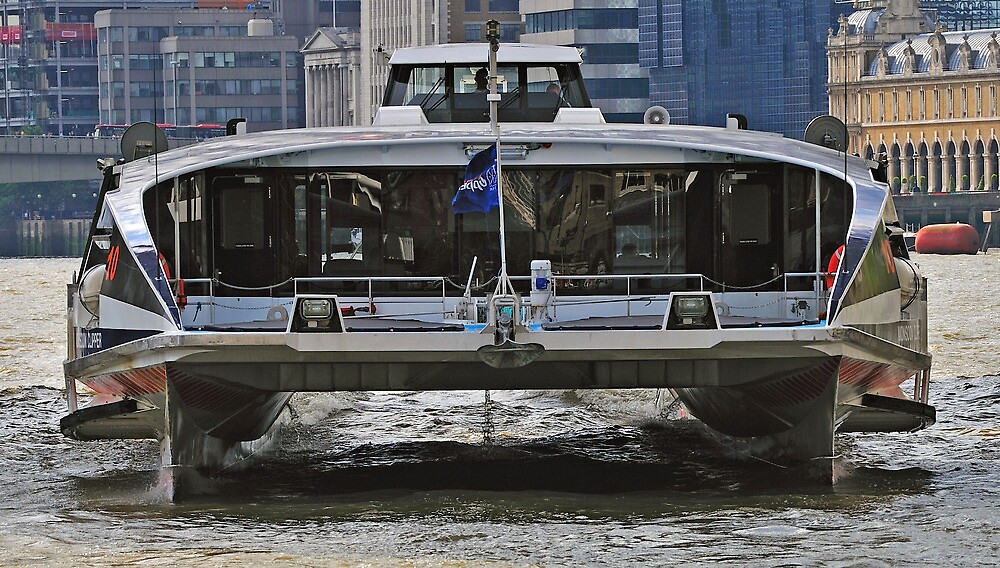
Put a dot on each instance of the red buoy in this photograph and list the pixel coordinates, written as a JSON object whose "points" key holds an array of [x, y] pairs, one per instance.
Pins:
{"points": [[951, 238]]}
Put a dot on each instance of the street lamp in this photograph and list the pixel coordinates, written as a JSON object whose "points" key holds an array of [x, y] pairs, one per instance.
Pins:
{"points": [[174, 63]]}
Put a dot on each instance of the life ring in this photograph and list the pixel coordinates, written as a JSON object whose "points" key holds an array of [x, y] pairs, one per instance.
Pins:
{"points": [[181, 297], [834, 266]]}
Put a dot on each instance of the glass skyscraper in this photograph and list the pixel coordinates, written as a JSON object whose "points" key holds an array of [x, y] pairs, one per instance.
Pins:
{"points": [[764, 59], [964, 15], [607, 35]]}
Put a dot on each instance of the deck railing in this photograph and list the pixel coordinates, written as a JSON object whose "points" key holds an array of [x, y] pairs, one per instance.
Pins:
{"points": [[435, 289]]}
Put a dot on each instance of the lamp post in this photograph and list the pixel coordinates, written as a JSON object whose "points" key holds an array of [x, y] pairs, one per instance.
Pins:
{"points": [[493, 36], [174, 63]]}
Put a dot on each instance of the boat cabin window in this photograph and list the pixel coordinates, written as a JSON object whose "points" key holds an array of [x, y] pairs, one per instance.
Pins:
{"points": [[742, 228], [457, 93]]}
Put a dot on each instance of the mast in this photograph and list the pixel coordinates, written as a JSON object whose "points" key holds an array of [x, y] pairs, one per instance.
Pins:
{"points": [[504, 287]]}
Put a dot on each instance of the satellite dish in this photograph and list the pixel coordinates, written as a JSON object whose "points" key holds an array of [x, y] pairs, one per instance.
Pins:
{"points": [[656, 115], [827, 131], [142, 139]]}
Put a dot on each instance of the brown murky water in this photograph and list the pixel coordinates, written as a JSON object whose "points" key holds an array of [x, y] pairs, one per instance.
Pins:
{"points": [[575, 478]]}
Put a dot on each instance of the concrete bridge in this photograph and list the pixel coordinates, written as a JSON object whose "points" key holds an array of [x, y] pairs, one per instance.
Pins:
{"points": [[26, 159]]}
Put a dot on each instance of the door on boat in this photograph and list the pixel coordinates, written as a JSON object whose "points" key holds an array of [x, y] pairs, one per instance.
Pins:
{"points": [[750, 247], [244, 233]]}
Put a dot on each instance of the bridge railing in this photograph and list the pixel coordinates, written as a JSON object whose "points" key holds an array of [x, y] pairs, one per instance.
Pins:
{"points": [[62, 145]]}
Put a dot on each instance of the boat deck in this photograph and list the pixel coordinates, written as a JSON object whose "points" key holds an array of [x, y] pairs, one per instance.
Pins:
{"points": [[595, 323]]}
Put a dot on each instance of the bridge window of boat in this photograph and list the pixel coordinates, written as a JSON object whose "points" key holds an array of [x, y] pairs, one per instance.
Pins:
{"points": [[455, 93]]}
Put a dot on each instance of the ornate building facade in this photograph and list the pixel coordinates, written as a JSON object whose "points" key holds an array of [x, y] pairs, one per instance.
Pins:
{"points": [[924, 98], [332, 58]]}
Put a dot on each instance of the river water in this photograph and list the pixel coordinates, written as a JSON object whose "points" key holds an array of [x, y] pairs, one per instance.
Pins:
{"points": [[572, 478]]}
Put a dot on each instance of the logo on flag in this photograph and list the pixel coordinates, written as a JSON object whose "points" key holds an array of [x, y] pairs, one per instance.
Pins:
{"points": [[479, 191]]}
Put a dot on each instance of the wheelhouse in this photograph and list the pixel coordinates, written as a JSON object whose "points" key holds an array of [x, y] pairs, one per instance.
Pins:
{"points": [[449, 83]]}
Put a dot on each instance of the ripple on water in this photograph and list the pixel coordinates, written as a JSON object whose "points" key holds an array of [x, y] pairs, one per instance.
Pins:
{"points": [[575, 478]]}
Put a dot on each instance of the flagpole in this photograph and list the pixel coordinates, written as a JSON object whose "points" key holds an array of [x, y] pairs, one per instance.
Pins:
{"points": [[493, 35]]}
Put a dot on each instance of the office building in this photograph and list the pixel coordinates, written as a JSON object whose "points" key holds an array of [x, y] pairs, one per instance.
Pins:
{"points": [[764, 59], [49, 67], [197, 66], [607, 34]]}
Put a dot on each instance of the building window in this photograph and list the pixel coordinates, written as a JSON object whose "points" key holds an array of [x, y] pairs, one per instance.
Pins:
{"points": [[145, 89], [895, 106], [147, 33], [473, 6], [194, 31], [937, 103], [881, 105], [144, 61], [624, 53], [510, 33], [993, 100], [583, 19], [618, 88], [909, 105], [923, 104], [979, 101], [473, 32], [965, 102], [951, 103], [504, 5], [868, 107], [233, 31]]}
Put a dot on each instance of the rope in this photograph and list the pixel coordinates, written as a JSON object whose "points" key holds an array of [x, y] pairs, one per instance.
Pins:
{"points": [[252, 288], [751, 287], [199, 305]]}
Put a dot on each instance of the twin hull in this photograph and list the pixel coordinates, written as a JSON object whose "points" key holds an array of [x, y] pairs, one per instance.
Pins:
{"points": [[686, 258]]}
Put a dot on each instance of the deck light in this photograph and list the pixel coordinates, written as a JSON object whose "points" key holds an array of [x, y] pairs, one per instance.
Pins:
{"points": [[690, 310], [316, 309], [691, 307]]}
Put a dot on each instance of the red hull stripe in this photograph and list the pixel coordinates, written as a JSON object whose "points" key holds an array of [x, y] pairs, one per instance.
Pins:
{"points": [[135, 383]]}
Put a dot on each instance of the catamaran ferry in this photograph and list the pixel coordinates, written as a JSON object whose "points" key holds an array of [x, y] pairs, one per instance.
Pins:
{"points": [[763, 280]]}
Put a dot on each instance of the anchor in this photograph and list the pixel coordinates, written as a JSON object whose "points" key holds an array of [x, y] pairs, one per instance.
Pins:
{"points": [[505, 353]]}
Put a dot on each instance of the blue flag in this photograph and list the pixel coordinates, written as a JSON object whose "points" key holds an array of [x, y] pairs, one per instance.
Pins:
{"points": [[479, 191]]}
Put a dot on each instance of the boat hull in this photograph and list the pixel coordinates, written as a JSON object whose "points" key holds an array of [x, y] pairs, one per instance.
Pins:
{"points": [[213, 398]]}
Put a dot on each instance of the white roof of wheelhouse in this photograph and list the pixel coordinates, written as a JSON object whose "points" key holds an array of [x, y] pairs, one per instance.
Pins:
{"points": [[478, 53]]}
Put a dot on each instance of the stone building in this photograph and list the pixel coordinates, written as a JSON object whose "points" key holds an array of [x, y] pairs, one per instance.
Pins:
{"points": [[332, 58], [923, 97]]}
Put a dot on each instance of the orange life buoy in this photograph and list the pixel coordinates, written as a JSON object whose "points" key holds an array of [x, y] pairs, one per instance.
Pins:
{"points": [[180, 296], [834, 266]]}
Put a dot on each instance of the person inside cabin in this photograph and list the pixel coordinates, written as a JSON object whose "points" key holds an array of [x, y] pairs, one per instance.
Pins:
{"points": [[482, 80], [556, 89], [629, 250]]}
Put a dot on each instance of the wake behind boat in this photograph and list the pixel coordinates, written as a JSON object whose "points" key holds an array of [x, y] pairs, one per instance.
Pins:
{"points": [[223, 277]]}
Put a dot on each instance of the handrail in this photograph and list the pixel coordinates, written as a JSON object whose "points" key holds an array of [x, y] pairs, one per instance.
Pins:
{"points": [[442, 283]]}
